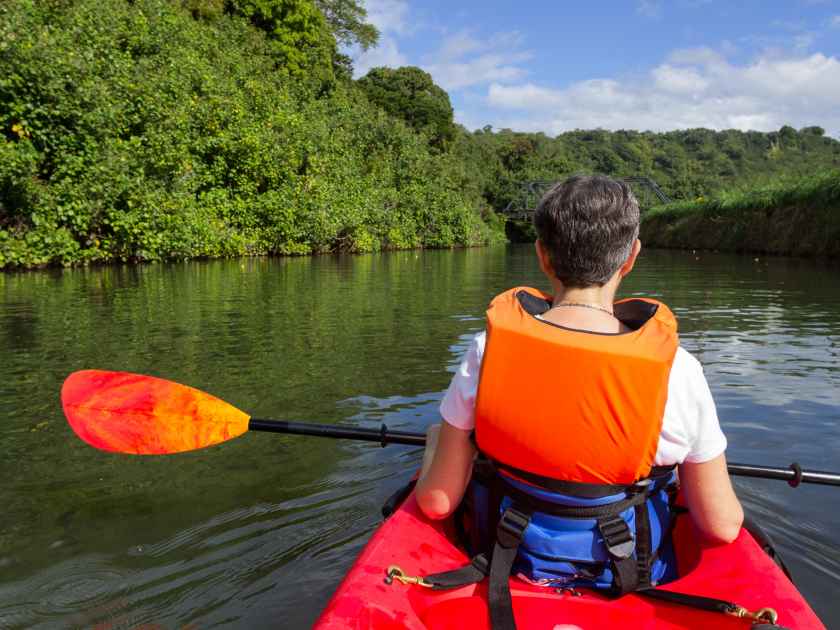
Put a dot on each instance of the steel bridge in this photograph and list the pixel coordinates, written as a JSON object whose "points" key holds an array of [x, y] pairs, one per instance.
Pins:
{"points": [[522, 206]]}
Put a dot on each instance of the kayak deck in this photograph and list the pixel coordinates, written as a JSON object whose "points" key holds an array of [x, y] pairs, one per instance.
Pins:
{"points": [[740, 572]]}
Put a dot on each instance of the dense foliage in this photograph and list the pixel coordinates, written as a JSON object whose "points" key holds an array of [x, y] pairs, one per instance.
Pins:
{"points": [[347, 22], [410, 93], [159, 129], [686, 164], [138, 131], [296, 30], [794, 215]]}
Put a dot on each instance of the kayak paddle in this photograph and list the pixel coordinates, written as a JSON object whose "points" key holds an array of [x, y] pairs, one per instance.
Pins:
{"points": [[122, 412]]}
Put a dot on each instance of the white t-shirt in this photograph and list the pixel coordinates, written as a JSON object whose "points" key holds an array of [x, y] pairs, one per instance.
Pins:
{"points": [[690, 429]]}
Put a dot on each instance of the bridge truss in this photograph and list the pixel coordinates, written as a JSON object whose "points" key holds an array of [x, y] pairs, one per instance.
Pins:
{"points": [[522, 206]]}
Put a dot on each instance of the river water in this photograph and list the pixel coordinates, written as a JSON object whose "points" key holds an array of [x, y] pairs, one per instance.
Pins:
{"points": [[257, 532]]}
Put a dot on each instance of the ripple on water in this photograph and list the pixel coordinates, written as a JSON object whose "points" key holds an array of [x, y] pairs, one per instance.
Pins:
{"points": [[245, 536], [80, 591]]}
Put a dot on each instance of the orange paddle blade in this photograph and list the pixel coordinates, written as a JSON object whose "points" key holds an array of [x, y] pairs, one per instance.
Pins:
{"points": [[131, 413]]}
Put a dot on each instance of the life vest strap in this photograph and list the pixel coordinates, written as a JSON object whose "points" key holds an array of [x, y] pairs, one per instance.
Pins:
{"points": [[472, 573], [629, 572], [510, 531], [620, 544], [535, 504], [644, 561], [583, 489], [509, 534]]}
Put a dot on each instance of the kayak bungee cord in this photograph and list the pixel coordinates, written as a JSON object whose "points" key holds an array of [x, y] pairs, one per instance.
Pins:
{"points": [[766, 616]]}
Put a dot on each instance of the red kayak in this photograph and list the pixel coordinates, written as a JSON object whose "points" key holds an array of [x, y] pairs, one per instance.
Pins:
{"points": [[740, 572]]}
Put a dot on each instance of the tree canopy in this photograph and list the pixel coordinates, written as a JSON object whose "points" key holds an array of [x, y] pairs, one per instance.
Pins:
{"points": [[347, 21], [687, 164], [153, 130], [410, 93]]}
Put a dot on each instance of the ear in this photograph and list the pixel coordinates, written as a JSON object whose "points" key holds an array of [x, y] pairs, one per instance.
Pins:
{"points": [[627, 267], [544, 259]]}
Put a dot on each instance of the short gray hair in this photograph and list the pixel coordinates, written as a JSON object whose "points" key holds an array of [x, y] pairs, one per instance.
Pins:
{"points": [[588, 224]]}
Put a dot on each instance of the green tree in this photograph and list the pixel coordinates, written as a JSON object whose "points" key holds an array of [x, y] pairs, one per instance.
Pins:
{"points": [[813, 131], [411, 94], [298, 32], [205, 9], [347, 22], [142, 131]]}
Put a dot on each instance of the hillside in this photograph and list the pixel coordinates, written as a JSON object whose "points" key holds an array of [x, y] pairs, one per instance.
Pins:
{"points": [[147, 130], [172, 129], [686, 164]]}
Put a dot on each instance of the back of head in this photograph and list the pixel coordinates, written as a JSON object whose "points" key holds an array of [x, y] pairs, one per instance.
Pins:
{"points": [[588, 225]]}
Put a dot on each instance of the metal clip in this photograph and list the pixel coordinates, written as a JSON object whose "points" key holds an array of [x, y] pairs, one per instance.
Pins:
{"points": [[762, 615], [396, 573]]}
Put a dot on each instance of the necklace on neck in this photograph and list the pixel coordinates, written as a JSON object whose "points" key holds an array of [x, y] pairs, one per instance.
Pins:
{"points": [[584, 305]]}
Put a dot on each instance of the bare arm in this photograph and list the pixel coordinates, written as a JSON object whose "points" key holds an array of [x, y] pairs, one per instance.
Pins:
{"points": [[709, 496], [446, 470]]}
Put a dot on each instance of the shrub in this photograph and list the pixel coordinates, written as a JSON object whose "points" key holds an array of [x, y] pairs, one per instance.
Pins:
{"points": [[154, 130]]}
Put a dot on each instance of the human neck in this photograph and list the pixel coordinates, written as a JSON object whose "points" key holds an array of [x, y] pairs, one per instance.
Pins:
{"points": [[593, 296], [597, 316]]}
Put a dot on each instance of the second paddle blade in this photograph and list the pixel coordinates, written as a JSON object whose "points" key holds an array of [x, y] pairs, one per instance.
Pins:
{"points": [[131, 413]]}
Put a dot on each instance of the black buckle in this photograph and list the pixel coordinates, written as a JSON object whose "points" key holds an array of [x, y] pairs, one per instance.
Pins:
{"points": [[618, 539], [641, 486], [511, 528], [481, 563]]}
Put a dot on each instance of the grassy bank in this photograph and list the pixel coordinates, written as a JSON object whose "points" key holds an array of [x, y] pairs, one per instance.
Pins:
{"points": [[798, 217]]}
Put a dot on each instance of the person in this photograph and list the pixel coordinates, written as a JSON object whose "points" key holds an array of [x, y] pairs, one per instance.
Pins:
{"points": [[570, 392]]}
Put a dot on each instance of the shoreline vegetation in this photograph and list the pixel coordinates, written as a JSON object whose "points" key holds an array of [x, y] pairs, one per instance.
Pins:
{"points": [[794, 217], [179, 129]]}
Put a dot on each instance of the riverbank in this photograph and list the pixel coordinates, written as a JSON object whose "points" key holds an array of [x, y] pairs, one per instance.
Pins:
{"points": [[158, 131], [147, 131], [795, 218]]}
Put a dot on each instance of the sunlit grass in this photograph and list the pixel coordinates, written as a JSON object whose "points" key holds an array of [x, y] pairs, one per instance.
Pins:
{"points": [[820, 190]]}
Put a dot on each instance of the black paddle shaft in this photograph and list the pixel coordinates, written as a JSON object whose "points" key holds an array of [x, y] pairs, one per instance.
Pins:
{"points": [[381, 435], [794, 474]]}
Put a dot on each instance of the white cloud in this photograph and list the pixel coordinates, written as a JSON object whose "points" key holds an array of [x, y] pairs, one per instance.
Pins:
{"points": [[478, 70], [464, 60], [458, 45], [804, 41], [801, 38], [693, 88], [679, 80], [471, 120], [834, 21], [389, 16], [386, 53], [697, 56], [649, 8], [791, 25], [728, 48]]}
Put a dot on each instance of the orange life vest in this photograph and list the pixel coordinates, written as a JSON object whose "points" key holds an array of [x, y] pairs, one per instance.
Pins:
{"points": [[569, 404]]}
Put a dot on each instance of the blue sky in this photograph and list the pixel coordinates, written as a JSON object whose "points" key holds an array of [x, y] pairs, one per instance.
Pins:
{"points": [[636, 64]]}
